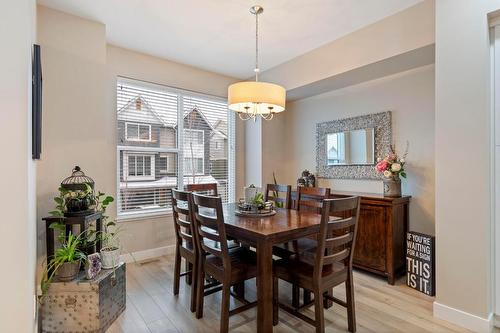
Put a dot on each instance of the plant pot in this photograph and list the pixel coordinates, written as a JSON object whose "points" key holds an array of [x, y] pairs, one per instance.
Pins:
{"points": [[110, 257], [68, 271], [250, 193], [392, 187]]}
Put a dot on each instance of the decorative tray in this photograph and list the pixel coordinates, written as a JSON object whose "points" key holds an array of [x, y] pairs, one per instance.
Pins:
{"points": [[263, 213]]}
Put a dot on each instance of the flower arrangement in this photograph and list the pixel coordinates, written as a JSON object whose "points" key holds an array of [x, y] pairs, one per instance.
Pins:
{"points": [[392, 166]]}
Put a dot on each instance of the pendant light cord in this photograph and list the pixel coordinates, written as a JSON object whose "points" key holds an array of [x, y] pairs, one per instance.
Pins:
{"points": [[256, 47]]}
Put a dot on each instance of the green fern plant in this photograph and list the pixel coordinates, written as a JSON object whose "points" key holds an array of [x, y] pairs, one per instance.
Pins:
{"points": [[69, 252]]}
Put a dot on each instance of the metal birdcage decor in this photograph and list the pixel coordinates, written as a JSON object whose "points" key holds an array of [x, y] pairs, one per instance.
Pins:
{"points": [[78, 181]]}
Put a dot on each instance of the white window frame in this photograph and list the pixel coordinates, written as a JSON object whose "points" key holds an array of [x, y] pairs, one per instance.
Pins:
{"points": [[124, 215], [138, 139], [126, 156], [164, 171], [202, 166], [191, 130]]}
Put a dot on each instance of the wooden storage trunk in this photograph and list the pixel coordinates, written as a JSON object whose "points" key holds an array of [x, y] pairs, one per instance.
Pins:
{"points": [[85, 306]]}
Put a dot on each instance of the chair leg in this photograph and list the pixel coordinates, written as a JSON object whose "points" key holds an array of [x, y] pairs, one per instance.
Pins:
{"points": [[177, 271], [194, 287], [318, 312], [189, 276], [295, 296], [200, 286], [307, 296], [239, 289], [326, 302], [351, 314], [275, 301], [224, 308]]}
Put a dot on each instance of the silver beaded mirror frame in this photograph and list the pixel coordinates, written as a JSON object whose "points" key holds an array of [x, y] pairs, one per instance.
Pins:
{"points": [[381, 122]]}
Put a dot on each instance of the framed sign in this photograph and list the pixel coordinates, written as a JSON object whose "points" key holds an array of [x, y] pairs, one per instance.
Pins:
{"points": [[420, 269]]}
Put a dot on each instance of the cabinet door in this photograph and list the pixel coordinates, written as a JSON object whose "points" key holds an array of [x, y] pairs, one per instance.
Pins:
{"points": [[370, 250]]}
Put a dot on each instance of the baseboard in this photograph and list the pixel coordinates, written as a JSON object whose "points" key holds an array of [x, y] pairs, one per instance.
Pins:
{"points": [[147, 254], [464, 319]]}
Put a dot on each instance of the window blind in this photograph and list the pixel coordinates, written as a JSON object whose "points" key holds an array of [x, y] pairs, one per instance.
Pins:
{"points": [[168, 138]]}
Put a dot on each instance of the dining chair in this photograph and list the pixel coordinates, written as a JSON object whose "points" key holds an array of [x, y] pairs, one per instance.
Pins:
{"points": [[203, 188], [311, 198], [229, 266], [206, 188], [273, 191], [327, 266], [308, 199], [185, 245]]}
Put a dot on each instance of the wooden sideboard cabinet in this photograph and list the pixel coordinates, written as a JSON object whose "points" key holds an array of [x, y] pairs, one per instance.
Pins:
{"points": [[381, 241]]}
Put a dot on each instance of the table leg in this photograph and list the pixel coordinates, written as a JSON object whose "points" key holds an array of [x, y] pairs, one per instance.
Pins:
{"points": [[264, 287], [98, 229]]}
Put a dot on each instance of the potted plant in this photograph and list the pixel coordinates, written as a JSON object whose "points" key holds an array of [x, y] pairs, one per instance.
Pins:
{"points": [[68, 202], [73, 202], [392, 167], [110, 251], [65, 264]]}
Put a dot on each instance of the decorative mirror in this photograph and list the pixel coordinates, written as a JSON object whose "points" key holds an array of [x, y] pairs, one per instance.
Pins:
{"points": [[349, 148]]}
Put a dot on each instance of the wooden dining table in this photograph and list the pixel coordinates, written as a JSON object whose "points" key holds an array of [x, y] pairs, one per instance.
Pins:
{"points": [[263, 233]]}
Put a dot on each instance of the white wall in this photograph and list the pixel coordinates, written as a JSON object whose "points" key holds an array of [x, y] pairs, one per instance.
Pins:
{"points": [[410, 97], [407, 30], [17, 198], [463, 158], [253, 147], [80, 72]]}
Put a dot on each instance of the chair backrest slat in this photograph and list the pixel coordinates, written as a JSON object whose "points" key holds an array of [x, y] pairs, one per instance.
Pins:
{"points": [[337, 237], [336, 257], [212, 250], [205, 188], [210, 228], [339, 240], [311, 198], [210, 235], [343, 223], [187, 237], [182, 208], [273, 191]]}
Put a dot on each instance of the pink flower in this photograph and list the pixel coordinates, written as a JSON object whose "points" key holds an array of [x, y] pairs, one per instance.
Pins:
{"points": [[392, 157], [382, 166]]}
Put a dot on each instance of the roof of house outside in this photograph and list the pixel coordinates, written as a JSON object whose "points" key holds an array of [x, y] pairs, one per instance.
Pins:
{"points": [[146, 114]]}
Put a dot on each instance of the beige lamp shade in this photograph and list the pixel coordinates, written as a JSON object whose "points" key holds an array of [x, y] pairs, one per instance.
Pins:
{"points": [[256, 97]]}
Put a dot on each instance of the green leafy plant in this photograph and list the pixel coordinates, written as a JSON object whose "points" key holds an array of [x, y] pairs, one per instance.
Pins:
{"points": [[110, 233], [73, 200], [69, 252]]}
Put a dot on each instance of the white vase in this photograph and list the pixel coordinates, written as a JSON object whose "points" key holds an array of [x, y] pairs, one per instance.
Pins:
{"points": [[110, 258], [250, 193]]}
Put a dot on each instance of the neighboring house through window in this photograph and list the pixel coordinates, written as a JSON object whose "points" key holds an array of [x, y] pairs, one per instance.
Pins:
{"points": [[196, 163], [137, 132], [139, 166], [164, 133]]}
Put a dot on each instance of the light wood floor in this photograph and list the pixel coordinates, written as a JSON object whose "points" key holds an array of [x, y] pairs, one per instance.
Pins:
{"points": [[152, 308]]}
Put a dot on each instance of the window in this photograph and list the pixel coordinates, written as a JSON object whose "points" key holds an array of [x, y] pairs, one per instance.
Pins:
{"points": [[137, 132], [193, 166], [140, 166], [193, 137]]}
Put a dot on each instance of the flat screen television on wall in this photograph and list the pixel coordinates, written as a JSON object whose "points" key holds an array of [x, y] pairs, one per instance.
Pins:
{"points": [[36, 107]]}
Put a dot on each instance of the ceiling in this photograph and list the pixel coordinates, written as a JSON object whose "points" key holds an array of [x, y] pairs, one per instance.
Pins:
{"points": [[218, 35]]}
